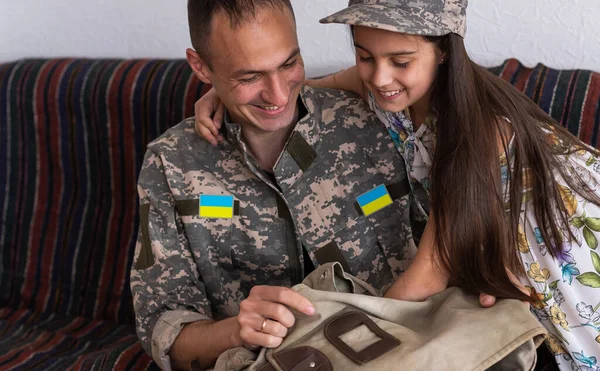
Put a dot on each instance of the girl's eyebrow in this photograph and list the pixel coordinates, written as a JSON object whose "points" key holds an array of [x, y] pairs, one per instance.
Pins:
{"points": [[390, 54]]}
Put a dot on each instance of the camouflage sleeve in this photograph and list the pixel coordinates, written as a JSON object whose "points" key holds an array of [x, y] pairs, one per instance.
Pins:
{"points": [[166, 287]]}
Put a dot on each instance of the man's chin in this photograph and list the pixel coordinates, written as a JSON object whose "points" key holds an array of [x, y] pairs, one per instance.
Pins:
{"points": [[272, 124]]}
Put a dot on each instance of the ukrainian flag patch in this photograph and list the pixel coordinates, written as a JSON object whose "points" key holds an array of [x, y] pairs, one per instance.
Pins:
{"points": [[216, 207], [374, 200]]}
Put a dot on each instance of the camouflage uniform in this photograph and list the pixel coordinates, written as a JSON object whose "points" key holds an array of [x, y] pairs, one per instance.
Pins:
{"points": [[189, 268]]}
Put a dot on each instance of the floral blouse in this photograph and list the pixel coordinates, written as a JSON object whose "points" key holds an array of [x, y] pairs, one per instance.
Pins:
{"points": [[568, 286]]}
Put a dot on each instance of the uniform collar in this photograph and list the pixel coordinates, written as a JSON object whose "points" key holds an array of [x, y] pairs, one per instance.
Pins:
{"points": [[299, 152]]}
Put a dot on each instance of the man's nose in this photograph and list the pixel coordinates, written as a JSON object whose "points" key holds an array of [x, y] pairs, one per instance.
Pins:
{"points": [[276, 91]]}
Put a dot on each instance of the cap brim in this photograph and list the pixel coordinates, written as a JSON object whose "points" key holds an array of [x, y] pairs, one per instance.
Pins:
{"points": [[386, 18]]}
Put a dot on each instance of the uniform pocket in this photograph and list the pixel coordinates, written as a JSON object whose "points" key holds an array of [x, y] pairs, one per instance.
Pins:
{"points": [[361, 251], [260, 251], [378, 247], [210, 240], [235, 254], [392, 227]]}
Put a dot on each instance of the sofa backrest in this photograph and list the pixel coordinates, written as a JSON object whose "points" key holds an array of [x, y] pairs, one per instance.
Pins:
{"points": [[73, 133], [571, 97], [72, 138]]}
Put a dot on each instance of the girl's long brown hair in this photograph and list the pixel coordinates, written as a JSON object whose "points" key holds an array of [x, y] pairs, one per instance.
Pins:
{"points": [[476, 231]]}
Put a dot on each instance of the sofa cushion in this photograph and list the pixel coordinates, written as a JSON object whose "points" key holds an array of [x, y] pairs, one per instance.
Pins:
{"points": [[30, 341], [571, 97]]}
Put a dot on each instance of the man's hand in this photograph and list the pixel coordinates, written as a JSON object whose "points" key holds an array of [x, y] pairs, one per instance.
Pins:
{"points": [[265, 316]]}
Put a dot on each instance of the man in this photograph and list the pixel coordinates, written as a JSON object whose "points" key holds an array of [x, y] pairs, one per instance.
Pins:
{"points": [[304, 177]]}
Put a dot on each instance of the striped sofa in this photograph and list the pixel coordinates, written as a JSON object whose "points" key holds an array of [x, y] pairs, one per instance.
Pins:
{"points": [[72, 137]]}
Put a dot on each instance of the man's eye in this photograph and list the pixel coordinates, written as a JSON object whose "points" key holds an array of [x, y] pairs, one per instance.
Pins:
{"points": [[401, 65], [366, 59], [250, 80], [290, 65]]}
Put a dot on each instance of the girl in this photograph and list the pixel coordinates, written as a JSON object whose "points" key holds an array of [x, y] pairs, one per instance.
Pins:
{"points": [[509, 192]]}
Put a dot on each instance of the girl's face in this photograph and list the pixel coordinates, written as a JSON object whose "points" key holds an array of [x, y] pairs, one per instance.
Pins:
{"points": [[398, 69]]}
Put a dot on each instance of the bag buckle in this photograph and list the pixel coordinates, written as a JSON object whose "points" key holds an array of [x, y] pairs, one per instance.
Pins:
{"points": [[349, 321]]}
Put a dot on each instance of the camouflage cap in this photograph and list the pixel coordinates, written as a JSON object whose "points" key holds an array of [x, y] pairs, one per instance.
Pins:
{"points": [[415, 17]]}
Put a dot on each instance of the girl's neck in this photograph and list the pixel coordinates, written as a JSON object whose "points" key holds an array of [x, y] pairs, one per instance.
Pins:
{"points": [[420, 110]]}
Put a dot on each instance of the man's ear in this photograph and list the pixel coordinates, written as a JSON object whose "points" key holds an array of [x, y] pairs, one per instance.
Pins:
{"points": [[198, 65]]}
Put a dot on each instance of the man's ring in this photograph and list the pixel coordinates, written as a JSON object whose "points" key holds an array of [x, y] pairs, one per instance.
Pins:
{"points": [[264, 324]]}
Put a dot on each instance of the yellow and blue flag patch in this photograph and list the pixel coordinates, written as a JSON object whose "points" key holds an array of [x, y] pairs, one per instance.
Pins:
{"points": [[374, 200], [216, 207]]}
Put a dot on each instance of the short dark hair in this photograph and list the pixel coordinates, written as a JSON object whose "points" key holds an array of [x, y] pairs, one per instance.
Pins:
{"points": [[202, 12]]}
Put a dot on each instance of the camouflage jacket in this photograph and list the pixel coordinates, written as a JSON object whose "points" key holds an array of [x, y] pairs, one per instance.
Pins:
{"points": [[189, 268]]}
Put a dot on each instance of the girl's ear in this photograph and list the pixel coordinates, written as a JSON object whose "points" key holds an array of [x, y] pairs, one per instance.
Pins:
{"points": [[443, 58]]}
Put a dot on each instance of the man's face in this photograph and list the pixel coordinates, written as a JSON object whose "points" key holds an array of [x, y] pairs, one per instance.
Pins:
{"points": [[257, 69]]}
